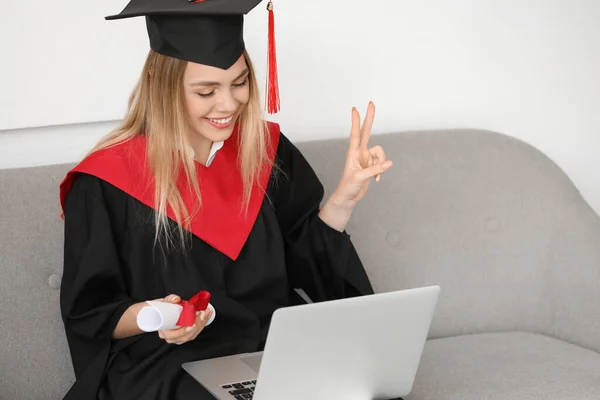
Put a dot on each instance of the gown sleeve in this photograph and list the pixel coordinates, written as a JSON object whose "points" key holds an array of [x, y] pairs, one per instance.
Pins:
{"points": [[320, 260], [93, 295]]}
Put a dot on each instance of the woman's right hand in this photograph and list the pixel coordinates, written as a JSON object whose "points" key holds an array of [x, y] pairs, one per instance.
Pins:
{"points": [[185, 333]]}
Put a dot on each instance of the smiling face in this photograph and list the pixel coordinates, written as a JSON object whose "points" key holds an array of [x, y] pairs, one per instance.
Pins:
{"points": [[214, 100]]}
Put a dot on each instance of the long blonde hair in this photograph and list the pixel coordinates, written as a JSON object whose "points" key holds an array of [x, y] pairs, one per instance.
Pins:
{"points": [[157, 110]]}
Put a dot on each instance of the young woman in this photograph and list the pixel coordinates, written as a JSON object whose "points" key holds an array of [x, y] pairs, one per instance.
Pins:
{"points": [[193, 192]]}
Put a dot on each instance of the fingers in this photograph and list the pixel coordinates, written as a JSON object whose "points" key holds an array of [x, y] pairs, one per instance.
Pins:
{"points": [[174, 336], [201, 320], [365, 131], [187, 333], [372, 171], [359, 135], [373, 156], [355, 130], [378, 156], [173, 298]]}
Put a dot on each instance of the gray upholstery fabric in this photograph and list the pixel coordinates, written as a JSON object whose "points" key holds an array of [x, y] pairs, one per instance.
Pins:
{"points": [[491, 220], [34, 358], [506, 366]]}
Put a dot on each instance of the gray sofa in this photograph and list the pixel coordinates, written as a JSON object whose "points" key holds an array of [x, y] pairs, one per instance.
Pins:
{"points": [[502, 230]]}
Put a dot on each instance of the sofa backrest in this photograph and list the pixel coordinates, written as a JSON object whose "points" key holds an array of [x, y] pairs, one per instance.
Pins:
{"points": [[491, 220], [34, 358]]}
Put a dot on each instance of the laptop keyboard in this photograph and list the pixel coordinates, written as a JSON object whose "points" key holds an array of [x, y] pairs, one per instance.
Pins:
{"points": [[240, 390]]}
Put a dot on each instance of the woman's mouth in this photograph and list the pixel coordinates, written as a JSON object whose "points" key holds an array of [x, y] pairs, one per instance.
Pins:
{"points": [[221, 123]]}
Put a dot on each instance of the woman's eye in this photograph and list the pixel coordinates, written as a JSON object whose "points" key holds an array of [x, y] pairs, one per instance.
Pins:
{"points": [[236, 85], [243, 83]]}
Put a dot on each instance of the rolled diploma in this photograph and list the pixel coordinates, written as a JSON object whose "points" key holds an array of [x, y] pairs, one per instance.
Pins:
{"points": [[158, 316]]}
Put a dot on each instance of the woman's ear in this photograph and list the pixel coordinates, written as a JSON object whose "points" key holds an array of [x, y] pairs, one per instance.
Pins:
{"points": [[150, 70]]}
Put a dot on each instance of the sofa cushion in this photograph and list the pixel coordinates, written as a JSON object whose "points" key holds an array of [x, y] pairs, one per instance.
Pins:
{"points": [[514, 365]]}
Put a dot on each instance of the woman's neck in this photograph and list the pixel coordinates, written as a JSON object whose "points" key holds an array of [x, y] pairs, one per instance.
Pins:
{"points": [[201, 149]]}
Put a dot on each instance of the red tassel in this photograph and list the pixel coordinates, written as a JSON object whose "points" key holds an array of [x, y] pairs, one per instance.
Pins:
{"points": [[272, 91]]}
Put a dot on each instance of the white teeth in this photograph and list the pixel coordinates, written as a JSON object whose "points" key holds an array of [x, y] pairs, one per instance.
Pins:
{"points": [[221, 121]]}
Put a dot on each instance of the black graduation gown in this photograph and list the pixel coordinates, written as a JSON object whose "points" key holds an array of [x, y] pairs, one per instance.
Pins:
{"points": [[110, 263]]}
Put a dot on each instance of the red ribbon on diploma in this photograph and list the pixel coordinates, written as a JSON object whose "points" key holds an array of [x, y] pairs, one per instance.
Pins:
{"points": [[199, 302]]}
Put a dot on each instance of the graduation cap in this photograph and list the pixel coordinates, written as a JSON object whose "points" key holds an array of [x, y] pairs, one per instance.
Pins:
{"points": [[208, 32]]}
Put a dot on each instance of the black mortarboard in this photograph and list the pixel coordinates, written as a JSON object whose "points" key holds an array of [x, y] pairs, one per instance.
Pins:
{"points": [[208, 32]]}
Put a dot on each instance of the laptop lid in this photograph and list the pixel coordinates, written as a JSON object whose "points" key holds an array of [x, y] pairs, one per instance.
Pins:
{"points": [[366, 347]]}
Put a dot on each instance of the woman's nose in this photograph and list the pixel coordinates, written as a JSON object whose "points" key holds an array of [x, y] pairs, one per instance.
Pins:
{"points": [[226, 102]]}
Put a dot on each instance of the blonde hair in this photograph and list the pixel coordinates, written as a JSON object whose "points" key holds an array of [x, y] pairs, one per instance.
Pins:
{"points": [[157, 110]]}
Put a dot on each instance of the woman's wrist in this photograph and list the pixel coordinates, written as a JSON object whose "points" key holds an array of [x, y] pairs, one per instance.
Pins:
{"points": [[127, 325], [336, 212]]}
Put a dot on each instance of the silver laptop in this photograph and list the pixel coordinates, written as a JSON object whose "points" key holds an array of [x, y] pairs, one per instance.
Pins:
{"points": [[362, 348]]}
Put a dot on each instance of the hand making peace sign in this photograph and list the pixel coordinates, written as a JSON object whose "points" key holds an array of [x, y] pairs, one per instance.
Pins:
{"points": [[362, 162]]}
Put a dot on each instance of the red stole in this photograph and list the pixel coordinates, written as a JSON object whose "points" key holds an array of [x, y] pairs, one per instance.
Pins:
{"points": [[221, 221]]}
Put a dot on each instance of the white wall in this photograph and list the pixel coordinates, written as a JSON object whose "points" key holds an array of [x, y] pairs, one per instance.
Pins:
{"points": [[529, 69]]}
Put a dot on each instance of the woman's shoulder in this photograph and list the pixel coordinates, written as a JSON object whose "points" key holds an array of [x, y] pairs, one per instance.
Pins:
{"points": [[86, 183], [294, 168], [108, 163], [288, 153], [101, 174], [94, 192]]}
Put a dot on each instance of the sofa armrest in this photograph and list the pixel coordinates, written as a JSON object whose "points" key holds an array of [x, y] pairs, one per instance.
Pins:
{"points": [[573, 286]]}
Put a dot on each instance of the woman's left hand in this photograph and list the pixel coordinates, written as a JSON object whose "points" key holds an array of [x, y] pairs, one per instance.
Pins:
{"points": [[184, 334], [362, 165]]}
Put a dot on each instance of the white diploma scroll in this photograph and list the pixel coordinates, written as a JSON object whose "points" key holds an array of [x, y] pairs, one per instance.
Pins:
{"points": [[159, 315]]}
